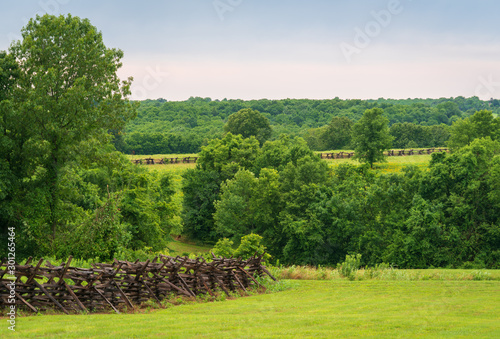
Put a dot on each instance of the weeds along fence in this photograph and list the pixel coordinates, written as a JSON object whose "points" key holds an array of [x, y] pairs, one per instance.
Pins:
{"points": [[331, 155], [123, 283]]}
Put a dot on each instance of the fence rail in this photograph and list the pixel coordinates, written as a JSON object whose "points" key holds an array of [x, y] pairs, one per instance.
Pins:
{"points": [[47, 286], [331, 155], [390, 153]]}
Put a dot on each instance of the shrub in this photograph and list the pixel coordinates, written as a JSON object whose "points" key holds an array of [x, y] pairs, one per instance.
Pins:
{"points": [[250, 245], [223, 248], [350, 266]]}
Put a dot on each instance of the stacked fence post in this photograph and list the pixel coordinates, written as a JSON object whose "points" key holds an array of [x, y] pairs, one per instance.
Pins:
{"points": [[123, 283]]}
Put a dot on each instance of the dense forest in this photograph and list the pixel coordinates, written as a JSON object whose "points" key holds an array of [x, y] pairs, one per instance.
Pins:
{"points": [[163, 127], [445, 216], [66, 190]]}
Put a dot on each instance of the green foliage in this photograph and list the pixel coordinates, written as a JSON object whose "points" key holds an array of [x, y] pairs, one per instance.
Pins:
{"points": [[64, 98], [148, 211], [181, 127], [63, 187], [160, 143], [99, 236], [350, 266], [274, 200], [223, 248], [200, 189], [370, 137], [9, 73], [249, 246], [480, 125], [227, 155], [219, 161], [337, 134], [248, 122], [272, 286], [409, 135], [247, 204]]}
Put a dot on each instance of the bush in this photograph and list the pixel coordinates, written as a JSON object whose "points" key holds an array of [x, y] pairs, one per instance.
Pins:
{"points": [[223, 248], [350, 266], [250, 245]]}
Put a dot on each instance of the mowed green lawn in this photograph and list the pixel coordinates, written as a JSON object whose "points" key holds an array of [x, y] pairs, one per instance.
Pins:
{"points": [[321, 309]]}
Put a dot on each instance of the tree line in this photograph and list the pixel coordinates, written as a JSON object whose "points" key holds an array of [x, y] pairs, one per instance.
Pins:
{"points": [[163, 126]]}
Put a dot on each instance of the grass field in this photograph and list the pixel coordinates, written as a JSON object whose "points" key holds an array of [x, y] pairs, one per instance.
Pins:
{"points": [[324, 309], [160, 156], [393, 164], [184, 248]]}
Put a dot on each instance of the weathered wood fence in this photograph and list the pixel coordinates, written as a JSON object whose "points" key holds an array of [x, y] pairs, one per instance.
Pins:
{"points": [[163, 161], [338, 155], [67, 288], [390, 153]]}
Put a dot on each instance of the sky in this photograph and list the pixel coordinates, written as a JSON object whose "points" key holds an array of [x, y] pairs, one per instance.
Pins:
{"points": [[277, 49]]}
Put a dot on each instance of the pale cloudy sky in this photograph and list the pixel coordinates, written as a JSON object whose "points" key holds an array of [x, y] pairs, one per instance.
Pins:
{"points": [[253, 49]]}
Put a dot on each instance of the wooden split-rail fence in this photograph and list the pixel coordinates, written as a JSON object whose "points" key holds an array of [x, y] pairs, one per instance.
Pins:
{"points": [[390, 153], [45, 286], [338, 155], [164, 161]]}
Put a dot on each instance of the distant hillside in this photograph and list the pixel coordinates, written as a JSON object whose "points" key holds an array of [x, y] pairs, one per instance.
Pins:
{"points": [[165, 126]]}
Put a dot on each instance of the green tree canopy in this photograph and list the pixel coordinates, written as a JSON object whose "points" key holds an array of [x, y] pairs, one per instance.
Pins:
{"points": [[480, 125], [370, 136], [219, 161], [67, 95], [249, 122], [337, 134], [9, 71]]}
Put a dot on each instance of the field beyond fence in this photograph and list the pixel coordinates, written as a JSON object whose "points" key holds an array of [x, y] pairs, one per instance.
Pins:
{"points": [[193, 158]]}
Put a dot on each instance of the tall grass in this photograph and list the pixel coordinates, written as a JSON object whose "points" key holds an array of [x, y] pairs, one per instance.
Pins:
{"points": [[382, 272]]}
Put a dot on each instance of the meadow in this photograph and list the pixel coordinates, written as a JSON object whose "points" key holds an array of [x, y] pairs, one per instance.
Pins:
{"points": [[311, 308], [393, 164]]}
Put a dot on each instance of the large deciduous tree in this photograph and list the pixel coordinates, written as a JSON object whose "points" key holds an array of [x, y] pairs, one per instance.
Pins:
{"points": [[338, 133], [219, 161], [481, 124], [249, 122], [67, 94], [370, 136]]}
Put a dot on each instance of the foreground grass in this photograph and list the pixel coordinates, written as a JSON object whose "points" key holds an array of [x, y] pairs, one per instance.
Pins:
{"points": [[336, 308]]}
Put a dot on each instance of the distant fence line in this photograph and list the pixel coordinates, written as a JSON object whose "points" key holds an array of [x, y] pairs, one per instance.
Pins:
{"points": [[390, 153], [330, 155], [164, 161]]}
